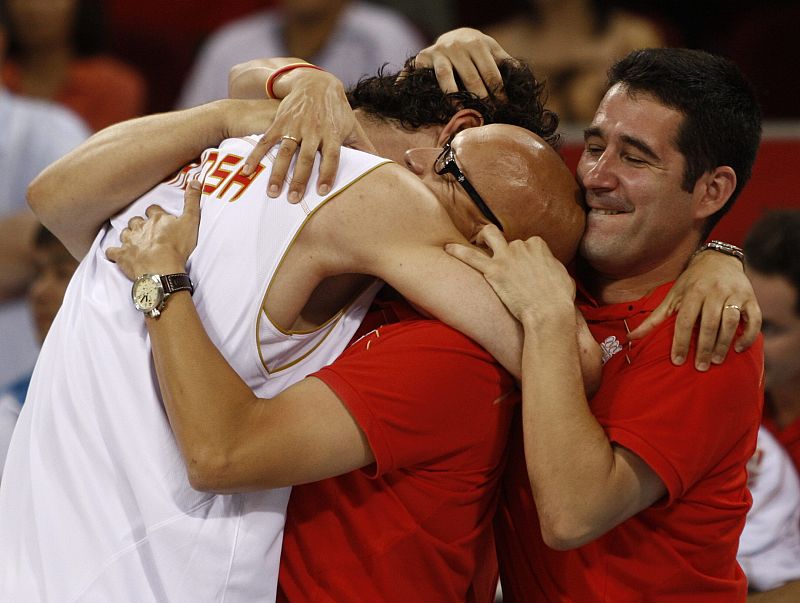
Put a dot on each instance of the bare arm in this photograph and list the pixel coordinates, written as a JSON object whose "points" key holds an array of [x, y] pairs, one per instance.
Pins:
{"points": [[402, 241], [233, 441], [76, 194], [230, 439], [583, 485]]}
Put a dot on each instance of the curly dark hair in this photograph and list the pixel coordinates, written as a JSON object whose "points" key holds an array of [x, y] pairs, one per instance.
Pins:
{"points": [[416, 100]]}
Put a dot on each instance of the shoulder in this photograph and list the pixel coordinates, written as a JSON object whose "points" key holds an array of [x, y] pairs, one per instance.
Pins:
{"points": [[385, 204]]}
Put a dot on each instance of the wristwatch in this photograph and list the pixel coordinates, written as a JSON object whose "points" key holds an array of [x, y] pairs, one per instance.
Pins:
{"points": [[150, 291], [726, 248]]}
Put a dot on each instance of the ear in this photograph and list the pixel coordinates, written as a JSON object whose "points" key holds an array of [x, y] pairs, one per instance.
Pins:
{"points": [[713, 190], [463, 119]]}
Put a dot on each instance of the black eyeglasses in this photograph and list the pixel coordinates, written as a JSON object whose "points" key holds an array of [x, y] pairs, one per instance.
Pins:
{"points": [[446, 164]]}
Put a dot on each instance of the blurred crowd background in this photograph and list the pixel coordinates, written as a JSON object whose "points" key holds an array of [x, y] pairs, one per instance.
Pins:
{"points": [[162, 39]]}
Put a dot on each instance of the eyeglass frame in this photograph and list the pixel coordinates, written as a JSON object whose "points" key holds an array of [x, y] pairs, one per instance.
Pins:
{"points": [[447, 160]]}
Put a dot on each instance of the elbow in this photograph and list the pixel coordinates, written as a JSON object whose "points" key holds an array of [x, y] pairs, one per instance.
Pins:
{"points": [[226, 471], [565, 531], [37, 195], [209, 471]]}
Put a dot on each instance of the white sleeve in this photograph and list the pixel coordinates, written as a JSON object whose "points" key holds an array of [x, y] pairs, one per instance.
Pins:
{"points": [[769, 548]]}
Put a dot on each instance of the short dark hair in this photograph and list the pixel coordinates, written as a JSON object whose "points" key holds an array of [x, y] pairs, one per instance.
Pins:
{"points": [[722, 117], [772, 247], [416, 99]]}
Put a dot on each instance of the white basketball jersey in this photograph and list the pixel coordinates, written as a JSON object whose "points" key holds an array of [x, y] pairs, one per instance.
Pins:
{"points": [[95, 504]]}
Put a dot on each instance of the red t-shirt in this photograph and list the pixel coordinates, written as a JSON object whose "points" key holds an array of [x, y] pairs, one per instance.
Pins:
{"points": [[417, 524], [696, 431], [789, 437]]}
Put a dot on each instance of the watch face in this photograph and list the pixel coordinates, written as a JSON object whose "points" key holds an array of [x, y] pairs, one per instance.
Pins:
{"points": [[147, 293]]}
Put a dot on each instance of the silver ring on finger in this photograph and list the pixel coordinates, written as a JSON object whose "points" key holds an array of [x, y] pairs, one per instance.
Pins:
{"points": [[292, 138], [733, 307]]}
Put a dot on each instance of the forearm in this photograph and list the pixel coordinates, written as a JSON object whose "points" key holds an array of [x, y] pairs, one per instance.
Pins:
{"points": [[248, 80], [207, 403], [75, 195], [570, 460], [583, 484]]}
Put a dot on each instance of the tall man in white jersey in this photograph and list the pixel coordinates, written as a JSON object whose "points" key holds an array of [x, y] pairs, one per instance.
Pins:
{"points": [[96, 504]]}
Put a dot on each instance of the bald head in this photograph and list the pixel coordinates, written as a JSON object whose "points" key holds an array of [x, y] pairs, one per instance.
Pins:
{"points": [[525, 183]]}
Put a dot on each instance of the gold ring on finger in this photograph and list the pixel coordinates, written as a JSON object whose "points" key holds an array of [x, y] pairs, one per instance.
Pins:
{"points": [[287, 137]]}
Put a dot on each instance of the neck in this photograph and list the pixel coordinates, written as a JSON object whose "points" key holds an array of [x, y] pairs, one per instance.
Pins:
{"points": [[625, 284], [391, 140]]}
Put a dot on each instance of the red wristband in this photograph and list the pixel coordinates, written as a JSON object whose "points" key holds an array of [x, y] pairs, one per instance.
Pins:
{"points": [[285, 69]]}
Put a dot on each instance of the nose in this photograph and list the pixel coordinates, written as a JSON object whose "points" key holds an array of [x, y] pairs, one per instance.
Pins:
{"points": [[597, 171], [420, 160]]}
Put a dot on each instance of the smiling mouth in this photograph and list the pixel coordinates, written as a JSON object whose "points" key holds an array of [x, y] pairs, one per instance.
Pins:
{"points": [[607, 212]]}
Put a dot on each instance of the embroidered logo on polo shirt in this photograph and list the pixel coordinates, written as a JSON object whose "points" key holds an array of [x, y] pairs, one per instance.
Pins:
{"points": [[610, 346]]}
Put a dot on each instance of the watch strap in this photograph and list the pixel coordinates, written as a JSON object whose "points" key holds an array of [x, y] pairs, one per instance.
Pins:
{"points": [[173, 283], [725, 248]]}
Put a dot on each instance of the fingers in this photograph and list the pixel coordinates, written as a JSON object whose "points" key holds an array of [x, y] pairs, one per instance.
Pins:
{"points": [[471, 256], [688, 313], [329, 165], [714, 321], [191, 201], [489, 72], [151, 212], [306, 151], [113, 253], [264, 144], [135, 222], [656, 317], [445, 75], [490, 237], [729, 322], [751, 314], [303, 166], [280, 166]]}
